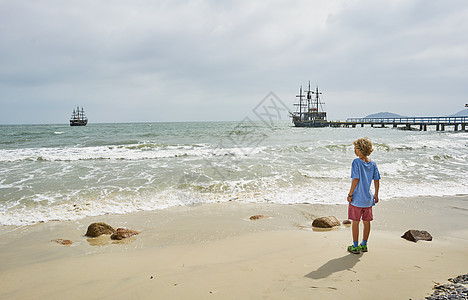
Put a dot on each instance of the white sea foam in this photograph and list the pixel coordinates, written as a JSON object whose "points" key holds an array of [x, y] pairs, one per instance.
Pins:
{"points": [[333, 192], [320, 193]]}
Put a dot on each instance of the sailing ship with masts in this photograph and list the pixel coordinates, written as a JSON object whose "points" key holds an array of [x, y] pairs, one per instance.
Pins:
{"points": [[78, 117], [309, 112]]}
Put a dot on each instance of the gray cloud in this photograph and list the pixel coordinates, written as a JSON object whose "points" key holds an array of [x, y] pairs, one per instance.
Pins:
{"points": [[214, 60]]}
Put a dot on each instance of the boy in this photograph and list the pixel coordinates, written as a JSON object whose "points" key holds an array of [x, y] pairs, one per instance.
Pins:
{"points": [[360, 198]]}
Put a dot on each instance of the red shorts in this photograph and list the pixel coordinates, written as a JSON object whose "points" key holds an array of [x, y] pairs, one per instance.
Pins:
{"points": [[356, 213]]}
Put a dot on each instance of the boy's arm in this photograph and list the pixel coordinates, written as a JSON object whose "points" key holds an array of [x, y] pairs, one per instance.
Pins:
{"points": [[354, 183], [376, 194]]}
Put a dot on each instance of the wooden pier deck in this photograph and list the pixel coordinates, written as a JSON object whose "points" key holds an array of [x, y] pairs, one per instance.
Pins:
{"points": [[421, 123]]}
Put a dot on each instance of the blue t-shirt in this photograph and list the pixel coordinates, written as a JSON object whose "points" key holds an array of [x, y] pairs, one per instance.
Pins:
{"points": [[366, 172]]}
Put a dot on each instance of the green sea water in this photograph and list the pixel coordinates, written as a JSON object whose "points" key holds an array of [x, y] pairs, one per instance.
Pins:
{"points": [[58, 172]]}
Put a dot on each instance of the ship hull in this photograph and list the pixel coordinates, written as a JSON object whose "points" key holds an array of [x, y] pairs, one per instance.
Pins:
{"points": [[311, 124], [78, 122]]}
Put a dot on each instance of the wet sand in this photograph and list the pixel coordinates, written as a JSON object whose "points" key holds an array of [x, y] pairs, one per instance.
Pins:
{"points": [[215, 251]]}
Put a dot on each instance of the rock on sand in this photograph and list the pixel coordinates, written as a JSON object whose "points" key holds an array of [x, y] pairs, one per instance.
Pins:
{"points": [[326, 222], [97, 229], [122, 233]]}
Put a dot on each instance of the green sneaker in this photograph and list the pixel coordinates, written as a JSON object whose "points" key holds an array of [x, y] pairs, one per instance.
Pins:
{"points": [[354, 250], [363, 248]]}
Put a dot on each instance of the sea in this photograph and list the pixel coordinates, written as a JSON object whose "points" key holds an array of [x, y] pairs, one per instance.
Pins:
{"points": [[58, 172]]}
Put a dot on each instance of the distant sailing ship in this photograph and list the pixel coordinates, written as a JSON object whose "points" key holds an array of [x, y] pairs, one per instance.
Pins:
{"points": [[310, 112], [78, 117]]}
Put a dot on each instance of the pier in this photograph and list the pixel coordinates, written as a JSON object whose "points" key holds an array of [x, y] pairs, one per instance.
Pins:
{"points": [[416, 123]]}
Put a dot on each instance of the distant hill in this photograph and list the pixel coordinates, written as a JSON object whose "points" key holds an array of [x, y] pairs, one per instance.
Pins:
{"points": [[461, 113], [385, 115]]}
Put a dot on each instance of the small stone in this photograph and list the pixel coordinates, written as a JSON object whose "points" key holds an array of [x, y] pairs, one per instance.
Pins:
{"points": [[347, 222], [416, 235], [63, 242], [122, 233], [98, 229], [256, 217], [326, 222]]}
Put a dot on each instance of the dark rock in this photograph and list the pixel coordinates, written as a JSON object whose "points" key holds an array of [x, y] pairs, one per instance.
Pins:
{"points": [[122, 233], [256, 217], [416, 235], [326, 222], [63, 242], [347, 222], [460, 279], [449, 291], [97, 229]]}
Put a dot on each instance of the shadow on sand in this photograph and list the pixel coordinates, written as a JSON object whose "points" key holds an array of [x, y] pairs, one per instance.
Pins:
{"points": [[335, 265]]}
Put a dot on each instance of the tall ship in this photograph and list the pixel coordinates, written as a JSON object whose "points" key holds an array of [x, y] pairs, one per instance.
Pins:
{"points": [[309, 112], [78, 117]]}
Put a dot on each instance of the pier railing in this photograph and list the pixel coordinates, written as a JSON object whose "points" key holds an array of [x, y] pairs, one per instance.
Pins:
{"points": [[423, 122], [410, 120]]}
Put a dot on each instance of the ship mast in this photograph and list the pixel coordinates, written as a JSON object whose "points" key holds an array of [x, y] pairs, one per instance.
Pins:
{"points": [[309, 98], [317, 100], [301, 95]]}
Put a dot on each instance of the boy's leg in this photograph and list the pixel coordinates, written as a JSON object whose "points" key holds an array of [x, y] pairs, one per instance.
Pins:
{"points": [[367, 227], [355, 249], [366, 218], [355, 227], [354, 214]]}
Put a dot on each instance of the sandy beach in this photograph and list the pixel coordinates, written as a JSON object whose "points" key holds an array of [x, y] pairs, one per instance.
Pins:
{"points": [[213, 251]]}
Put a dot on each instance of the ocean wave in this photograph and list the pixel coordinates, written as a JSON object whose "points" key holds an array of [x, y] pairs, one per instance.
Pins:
{"points": [[123, 187], [122, 152], [442, 157], [347, 148]]}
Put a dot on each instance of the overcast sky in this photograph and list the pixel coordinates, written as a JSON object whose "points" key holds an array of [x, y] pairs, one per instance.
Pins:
{"points": [[144, 61]]}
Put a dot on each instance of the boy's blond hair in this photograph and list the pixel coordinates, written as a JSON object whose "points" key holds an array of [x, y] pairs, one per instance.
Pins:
{"points": [[364, 145]]}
